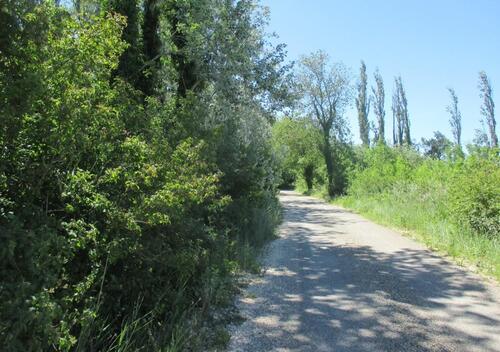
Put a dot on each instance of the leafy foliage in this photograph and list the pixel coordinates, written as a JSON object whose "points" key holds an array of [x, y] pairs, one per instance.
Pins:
{"points": [[475, 195], [436, 147], [326, 91], [126, 199], [298, 142]]}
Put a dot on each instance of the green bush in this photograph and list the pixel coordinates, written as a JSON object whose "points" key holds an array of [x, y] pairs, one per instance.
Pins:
{"points": [[122, 216], [379, 168], [475, 195]]}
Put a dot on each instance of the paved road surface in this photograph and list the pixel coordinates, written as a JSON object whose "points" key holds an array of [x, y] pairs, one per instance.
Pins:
{"points": [[337, 282]]}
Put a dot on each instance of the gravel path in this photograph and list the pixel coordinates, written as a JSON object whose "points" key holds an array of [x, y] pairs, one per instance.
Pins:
{"points": [[337, 282]]}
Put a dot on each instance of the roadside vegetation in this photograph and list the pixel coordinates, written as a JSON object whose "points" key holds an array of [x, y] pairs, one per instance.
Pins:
{"points": [[142, 144], [433, 189], [451, 206], [137, 174]]}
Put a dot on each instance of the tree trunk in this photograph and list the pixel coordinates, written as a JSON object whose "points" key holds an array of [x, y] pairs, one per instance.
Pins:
{"points": [[187, 70], [308, 176], [327, 153], [493, 135], [151, 43]]}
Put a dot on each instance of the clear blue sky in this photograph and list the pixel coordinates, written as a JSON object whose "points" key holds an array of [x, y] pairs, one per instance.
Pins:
{"points": [[431, 44]]}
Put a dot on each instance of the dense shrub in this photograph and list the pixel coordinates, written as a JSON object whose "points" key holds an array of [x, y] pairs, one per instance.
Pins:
{"points": [[465, 191], [123, 211], [475, 194], [379, 168]]}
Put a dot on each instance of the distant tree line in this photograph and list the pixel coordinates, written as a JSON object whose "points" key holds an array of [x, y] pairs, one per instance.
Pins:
{"points": [[325, 91], [401, 122]]}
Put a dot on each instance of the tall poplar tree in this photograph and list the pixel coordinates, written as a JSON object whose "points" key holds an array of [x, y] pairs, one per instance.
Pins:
{"points": [[397, 127], [401, 119], [405, 117], [455, 118], [363, 106], [379, 102], [488, 107]]}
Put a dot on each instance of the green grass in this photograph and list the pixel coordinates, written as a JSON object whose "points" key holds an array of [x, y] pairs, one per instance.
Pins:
{"points": [[425, 222]]}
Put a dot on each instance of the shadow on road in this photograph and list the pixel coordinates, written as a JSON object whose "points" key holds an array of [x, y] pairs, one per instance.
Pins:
{"points": [[324, 294]]}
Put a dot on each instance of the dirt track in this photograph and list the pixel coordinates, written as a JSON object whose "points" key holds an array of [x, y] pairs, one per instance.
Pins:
{"points": [[335, 281]]}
